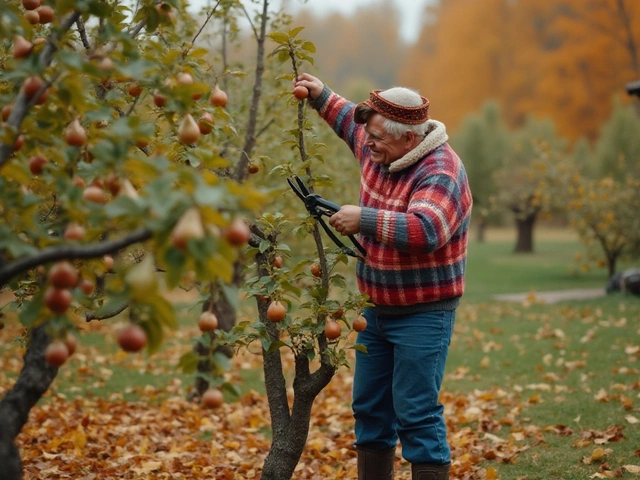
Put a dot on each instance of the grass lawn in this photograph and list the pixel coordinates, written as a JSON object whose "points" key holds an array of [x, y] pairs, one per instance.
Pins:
{"points": [[563, 379]]}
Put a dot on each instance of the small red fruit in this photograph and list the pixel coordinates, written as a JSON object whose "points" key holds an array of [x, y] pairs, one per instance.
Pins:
{"points": [[94, 194], [113, 184], [6, 111], [208, 322], [338, 313], [184, 78], [74, 232], [332, 330], [30, 4], [238, 233], [132, 338], [18, 143], [108, 262], [276, 312], [212, 398], [188, 131], [63, 275], [32, 85], [134, 90], [71, 341], [87, 286], [277, 261], [253, 168], [56, 353], [46, 14], [300, 92], [75, 135], [159, 99], [21, 46], [36, 164], [57, 300], [205, 123], [218, 97], [32, 16], [316, 270], [360, 324]]}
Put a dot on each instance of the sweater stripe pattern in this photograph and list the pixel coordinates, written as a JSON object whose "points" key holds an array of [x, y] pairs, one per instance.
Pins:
{"points": [[415, 214]]}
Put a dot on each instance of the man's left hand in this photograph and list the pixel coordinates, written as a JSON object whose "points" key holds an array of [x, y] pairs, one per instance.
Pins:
{"points": [[347, 220]]}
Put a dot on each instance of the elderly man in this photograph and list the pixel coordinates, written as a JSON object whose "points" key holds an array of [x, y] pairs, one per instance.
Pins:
{"points": [[413, 218]]}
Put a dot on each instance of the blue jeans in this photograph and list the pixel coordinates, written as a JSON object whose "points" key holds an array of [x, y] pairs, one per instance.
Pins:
{"points": [[397, 383]]}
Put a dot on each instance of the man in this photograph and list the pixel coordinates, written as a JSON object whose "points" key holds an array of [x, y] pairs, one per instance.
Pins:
{"points": [[413, 218]]}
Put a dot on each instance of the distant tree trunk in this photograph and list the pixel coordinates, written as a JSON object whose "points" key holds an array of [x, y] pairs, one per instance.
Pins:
{"points": [[34, 380], [481, 230], [524, 225]]}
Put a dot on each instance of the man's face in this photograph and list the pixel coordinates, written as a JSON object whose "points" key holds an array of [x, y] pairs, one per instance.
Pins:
{"points": [[385, 149]]}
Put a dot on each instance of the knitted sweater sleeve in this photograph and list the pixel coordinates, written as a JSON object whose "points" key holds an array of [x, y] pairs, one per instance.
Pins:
{"points": [[435, 212], [338, 113]]}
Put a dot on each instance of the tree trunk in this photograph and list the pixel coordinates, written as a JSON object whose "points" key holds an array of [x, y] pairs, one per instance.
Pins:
{"points": [[290, 430], [34, 380], [612, 259], [481, 230], [524, 243]]}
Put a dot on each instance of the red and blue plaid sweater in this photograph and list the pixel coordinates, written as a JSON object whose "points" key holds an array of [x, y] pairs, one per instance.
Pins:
{"points": [[414, 221]]}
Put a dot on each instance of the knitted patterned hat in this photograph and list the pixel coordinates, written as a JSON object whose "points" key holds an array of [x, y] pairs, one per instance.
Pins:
{"points": [[410, 115]]}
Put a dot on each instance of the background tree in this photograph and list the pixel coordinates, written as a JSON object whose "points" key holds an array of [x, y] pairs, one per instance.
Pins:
{"points": [[604, 212], [617, 151], [531, 180], [603, 207], [482, 143], [545, 58]]}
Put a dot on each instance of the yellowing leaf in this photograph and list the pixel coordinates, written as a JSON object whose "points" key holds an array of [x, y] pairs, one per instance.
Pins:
{"points": [[491, 474]]}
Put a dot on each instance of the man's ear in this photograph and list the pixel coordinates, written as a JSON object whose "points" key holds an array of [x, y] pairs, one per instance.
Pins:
{"points": [[410, 137]]}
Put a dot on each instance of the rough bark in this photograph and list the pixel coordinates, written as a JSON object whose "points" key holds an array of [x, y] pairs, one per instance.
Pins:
{"points": [[524, 243], [34, 380], [290, 427]]}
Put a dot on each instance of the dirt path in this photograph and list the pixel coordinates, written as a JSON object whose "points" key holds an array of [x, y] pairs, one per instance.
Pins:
{"points": [[553, 296]]}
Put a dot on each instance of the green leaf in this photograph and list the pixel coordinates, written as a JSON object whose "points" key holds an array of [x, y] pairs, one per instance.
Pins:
{"points": [[279, 37], [222, 360], [309, 47], [359, 347], [188, 362], [231, 293], [293, 33], [163, 311], [264, 246], [32, 311], [275, 346]]}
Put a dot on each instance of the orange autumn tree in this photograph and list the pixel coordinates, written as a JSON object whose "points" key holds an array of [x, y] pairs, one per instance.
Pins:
{"points": [[563, 59]]}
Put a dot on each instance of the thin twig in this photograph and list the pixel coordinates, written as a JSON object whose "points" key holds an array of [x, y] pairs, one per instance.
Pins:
{"points": [[193, 42], [94, 316]]}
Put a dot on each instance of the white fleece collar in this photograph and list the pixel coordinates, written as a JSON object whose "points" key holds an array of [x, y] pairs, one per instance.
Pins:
{"points": [[436, 136]]}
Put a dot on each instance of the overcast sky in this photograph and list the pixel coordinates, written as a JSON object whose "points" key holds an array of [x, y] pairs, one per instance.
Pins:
{"points": [[410, 10]]}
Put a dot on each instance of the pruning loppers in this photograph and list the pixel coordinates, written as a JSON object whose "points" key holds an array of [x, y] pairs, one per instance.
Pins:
{"points": [[317, 207]]}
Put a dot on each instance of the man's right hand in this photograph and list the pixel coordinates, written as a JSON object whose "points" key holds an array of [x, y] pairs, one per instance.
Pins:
{"points": [[313, 84]]}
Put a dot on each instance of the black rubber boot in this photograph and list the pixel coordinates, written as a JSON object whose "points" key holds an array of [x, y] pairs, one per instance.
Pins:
{"points": [[375, 464], [425, 471]]}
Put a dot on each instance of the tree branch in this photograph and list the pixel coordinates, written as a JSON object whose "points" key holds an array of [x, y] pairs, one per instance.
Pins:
{"points": [[22, 103], [67, 252], [94, 316], [241, 172], [186, 51]]}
